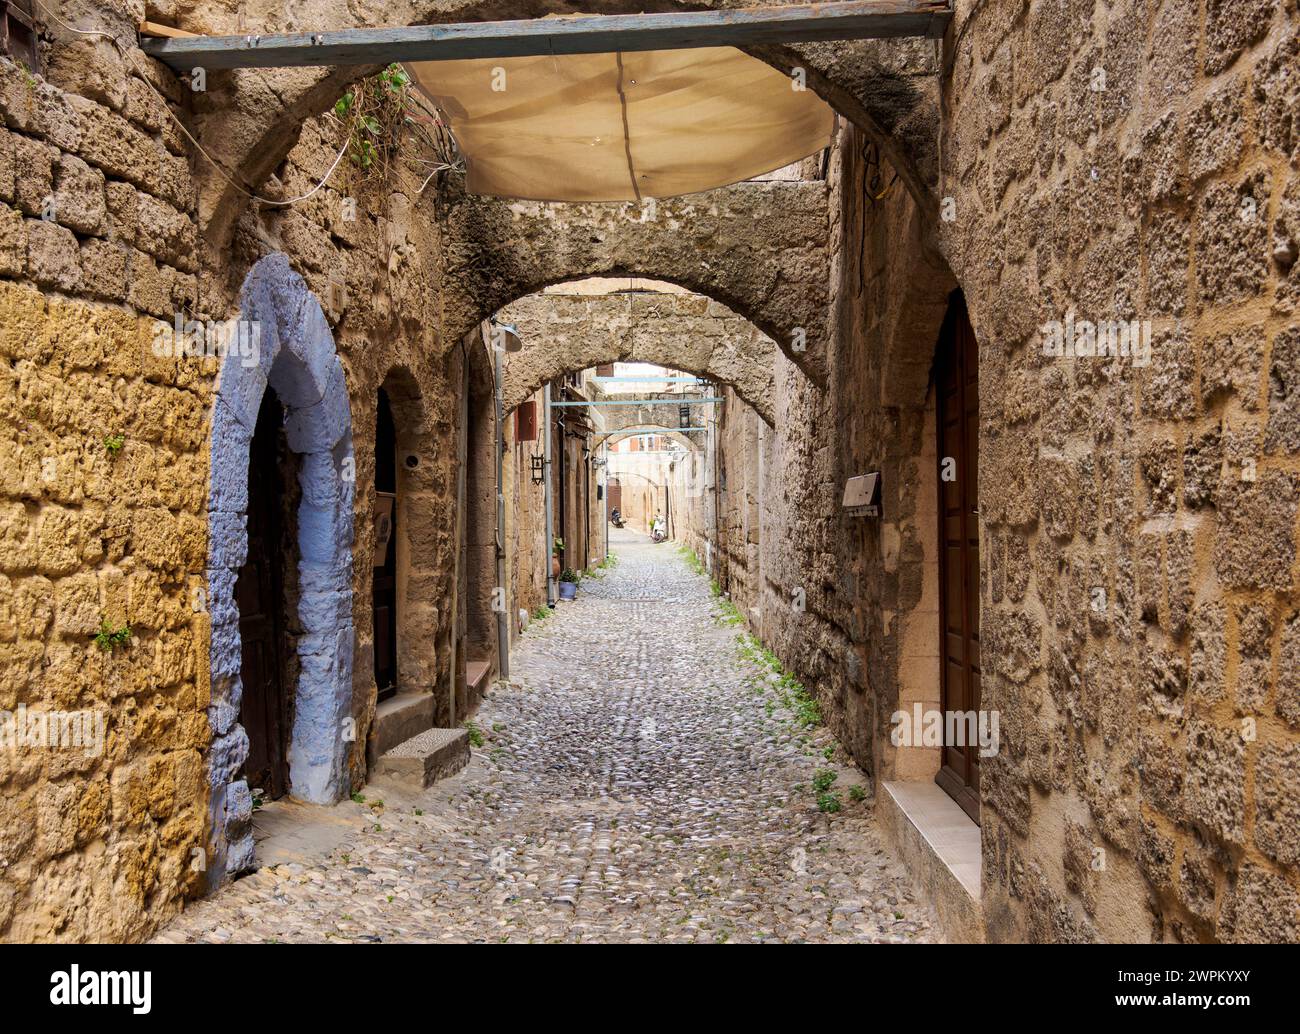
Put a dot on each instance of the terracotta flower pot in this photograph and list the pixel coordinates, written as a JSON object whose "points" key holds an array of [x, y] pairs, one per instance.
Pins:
{"points": [[555, 567]]}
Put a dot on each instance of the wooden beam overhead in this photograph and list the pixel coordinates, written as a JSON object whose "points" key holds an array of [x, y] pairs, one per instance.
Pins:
{"points": [[588, 34]]}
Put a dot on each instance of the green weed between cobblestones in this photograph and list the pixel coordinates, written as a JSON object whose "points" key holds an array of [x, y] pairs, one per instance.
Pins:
{"points": [[475, 734], [827, 799], [731, 614], [542, 613], [788, 691], [692, 561]]}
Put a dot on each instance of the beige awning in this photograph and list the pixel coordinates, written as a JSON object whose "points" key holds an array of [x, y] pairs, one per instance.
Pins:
{"points": [[622, 127]]}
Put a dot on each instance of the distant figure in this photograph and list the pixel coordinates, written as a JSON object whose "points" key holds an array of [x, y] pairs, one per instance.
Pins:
{"points": [[658, 530]]}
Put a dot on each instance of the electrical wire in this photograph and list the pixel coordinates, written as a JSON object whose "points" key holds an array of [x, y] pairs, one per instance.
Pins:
{"points": [[130, 53]]}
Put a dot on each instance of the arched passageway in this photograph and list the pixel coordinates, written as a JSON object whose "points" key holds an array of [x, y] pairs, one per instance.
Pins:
{"points": [[250, 119], [655, 323]]}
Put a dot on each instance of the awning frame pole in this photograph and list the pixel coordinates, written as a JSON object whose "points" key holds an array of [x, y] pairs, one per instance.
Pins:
{"points": [[533, 37]]}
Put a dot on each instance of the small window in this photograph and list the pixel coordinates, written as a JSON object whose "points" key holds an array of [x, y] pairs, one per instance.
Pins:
{"points": [[18, 33]]}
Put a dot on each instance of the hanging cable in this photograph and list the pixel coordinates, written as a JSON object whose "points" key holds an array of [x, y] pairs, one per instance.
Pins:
{"points": [[130, 51]]}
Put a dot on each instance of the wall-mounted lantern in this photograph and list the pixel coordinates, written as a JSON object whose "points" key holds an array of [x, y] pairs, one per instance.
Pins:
{"points": [[538, 468], [506, 336], [862, 495], [683, 416]]}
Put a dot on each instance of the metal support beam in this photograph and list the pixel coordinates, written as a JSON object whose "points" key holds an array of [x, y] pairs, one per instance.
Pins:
{"points": [[548, 505], [630, 431], [594, 34], [679, 401], [651, 379]]}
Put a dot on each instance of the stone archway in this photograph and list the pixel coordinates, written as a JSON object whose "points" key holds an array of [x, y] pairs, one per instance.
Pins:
{"points": [[690, 332], [295, 355], [761, 250], [249, 119], [686, 441]]}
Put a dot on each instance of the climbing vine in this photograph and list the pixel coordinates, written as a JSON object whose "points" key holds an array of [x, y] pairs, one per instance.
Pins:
{"points": [[395, 133]]}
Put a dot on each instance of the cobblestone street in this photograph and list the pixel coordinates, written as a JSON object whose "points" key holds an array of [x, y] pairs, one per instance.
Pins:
{"points": [[638, 780]]}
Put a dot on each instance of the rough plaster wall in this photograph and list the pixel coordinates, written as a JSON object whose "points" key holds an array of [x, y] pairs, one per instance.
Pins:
{"points": [[528, 556], [734, 533]]}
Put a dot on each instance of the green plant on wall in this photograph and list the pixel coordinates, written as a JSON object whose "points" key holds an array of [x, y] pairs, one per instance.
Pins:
{"points": [[113, 443], [394, 131], [108, 637]]}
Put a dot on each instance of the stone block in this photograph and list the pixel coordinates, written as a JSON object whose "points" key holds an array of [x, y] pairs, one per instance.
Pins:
{"points": [[1215, 780], [424, 759], [1277, 802], [33, 174], [1282, 435], [1254, 545], [1261, 908], [1230, 26], [13, 242], [104, 268]]}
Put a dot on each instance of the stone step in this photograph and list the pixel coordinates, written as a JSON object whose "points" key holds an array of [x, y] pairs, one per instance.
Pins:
{"points": [[424, 759], [476, 673], [397, 719]]}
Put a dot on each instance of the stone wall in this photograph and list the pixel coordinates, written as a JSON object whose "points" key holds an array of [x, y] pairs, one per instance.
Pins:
{"points": [[109, 442], [1133, 161], [104, 448], [525, 523], [1138, 160]]}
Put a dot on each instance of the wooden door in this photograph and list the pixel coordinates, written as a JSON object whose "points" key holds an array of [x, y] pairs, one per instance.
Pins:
{"points": [[957, 381], [259, 594], [384, 583]]}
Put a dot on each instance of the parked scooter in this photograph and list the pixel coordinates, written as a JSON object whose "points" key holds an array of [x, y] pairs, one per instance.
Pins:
{"points": [[616, 518]]}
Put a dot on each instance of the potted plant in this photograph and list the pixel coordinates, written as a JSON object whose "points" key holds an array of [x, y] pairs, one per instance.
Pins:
{"points": [[557, 551], [569, 584]]}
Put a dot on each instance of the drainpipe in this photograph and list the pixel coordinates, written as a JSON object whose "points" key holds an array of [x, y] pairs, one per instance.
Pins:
{"points": [[547, 492], [498, 437], [462, 437]]}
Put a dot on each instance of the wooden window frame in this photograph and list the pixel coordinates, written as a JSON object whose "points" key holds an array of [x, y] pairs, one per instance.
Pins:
{"points": [[18, 34]]}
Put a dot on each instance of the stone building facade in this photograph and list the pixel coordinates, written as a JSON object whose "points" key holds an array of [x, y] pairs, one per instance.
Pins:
{"points": [[1056, 163]]}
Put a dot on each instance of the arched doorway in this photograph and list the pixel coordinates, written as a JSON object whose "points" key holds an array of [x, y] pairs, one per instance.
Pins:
{"points": [[292, 367], [265, 709], [384, 577]]}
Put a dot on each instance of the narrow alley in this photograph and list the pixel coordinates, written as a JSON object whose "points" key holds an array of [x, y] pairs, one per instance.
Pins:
{"points": [[639, 780], [707, 471]]}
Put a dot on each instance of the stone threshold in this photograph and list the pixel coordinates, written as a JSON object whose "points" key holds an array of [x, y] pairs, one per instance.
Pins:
{"points": [[940, 846]]}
